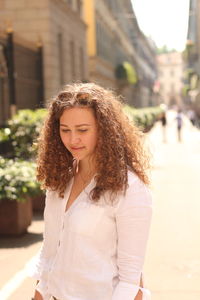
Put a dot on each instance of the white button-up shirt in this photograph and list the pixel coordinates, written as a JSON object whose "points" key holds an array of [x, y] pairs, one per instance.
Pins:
{"points": [[94, 251]]}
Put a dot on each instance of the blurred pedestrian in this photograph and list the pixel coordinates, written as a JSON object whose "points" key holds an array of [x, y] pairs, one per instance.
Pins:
{"points": [[192, 116], [179, 119], [98, 208], [163, 120]]}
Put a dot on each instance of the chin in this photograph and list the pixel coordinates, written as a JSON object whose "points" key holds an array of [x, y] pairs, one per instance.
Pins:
{"points": [[79, 157]]}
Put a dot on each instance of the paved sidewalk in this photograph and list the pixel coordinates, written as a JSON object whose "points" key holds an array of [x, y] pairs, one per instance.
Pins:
{"points": [[172, 267], [173, 261], [14, 254]]}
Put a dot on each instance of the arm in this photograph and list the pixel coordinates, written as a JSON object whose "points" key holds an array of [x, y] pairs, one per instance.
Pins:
{"points": [[39, 262], [133, 218]]}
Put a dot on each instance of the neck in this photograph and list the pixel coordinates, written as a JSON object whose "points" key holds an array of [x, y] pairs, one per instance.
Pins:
{"points": [[86, 168]]}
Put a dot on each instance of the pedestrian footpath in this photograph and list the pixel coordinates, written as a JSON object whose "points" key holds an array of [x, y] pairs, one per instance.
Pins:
{"points": [[15, 253], [172, 266]]}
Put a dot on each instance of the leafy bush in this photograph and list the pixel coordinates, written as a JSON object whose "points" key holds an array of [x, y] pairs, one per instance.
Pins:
{"points": [[17, 139], [18, 177], [17, 180], [144, 118]]}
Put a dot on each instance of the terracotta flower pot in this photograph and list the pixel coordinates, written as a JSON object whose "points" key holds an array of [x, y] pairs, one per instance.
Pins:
{"points": [[38, 203], [15, 217]]}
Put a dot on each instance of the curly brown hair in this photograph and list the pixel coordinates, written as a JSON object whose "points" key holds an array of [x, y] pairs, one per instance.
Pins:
{"points": [[119, 146]]}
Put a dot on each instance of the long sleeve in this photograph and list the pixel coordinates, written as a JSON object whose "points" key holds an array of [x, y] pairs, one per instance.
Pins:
{"points": [[133, 218], [40, 261], [37, 264]]}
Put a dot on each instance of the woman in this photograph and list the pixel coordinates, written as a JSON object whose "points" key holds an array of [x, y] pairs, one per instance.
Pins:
{"points": [[98, 207]]}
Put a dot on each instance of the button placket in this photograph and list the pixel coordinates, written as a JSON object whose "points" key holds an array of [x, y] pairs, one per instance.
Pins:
{"points": [[58, 246], [62, 226]]}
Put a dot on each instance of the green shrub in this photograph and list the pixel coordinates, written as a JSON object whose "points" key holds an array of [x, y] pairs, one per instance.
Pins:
{"points": [[144, 118], [17, 139], [18, 180]]}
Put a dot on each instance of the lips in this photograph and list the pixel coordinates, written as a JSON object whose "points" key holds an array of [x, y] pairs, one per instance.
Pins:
{"points": [[77, 148]]}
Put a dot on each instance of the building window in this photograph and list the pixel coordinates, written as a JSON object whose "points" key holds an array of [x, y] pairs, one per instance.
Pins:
{"points": [[60, 58], [72, 60], [69, 2], [168, 59], [76, 5], [2, 4], [79, 7], [104, 42], [81, 57]]}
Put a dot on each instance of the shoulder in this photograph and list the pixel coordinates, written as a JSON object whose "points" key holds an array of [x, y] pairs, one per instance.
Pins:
{"points": [[52, 198], [135, 184], [137, 194], [50, 195], [132, 177], [53, 195]]}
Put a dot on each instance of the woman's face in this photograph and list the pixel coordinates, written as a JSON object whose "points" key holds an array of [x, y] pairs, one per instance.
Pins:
{"points": [[78, 132]]}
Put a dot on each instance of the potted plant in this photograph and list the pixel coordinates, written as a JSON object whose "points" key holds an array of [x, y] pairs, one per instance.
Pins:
{"points": [[17, 186]]}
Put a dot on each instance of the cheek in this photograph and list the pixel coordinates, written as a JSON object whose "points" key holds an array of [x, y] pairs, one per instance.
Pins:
{"points": [[64, 139], [94, 141], [90, 141], [61, 136]]}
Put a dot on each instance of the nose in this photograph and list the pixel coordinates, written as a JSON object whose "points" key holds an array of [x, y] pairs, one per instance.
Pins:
{"points": [[74, 138]]}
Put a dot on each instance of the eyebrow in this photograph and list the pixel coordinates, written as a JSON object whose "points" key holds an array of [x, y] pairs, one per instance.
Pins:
{"points": [[76, 125]]}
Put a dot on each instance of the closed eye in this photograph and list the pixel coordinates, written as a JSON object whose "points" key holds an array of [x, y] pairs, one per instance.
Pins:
{"points": [[79, 130], [82, 130]]}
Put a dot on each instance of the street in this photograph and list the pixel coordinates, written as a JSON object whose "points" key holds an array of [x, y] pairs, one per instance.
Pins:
{"points": [[172, 265]]}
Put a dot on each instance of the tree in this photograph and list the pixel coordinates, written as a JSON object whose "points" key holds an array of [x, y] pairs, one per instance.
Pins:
{"points": [[165, 49]]}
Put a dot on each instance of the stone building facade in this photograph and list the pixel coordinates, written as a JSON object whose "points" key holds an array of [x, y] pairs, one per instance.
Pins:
{"points": [[193, 36], [192, 58], [115, 41], [86, 40], [147, 67], [57, 25], [170, 76]]}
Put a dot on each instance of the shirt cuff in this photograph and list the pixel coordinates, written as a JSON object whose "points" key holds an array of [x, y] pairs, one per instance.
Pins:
{"points": [[41, 288], [34, 267], [129, 291]]}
